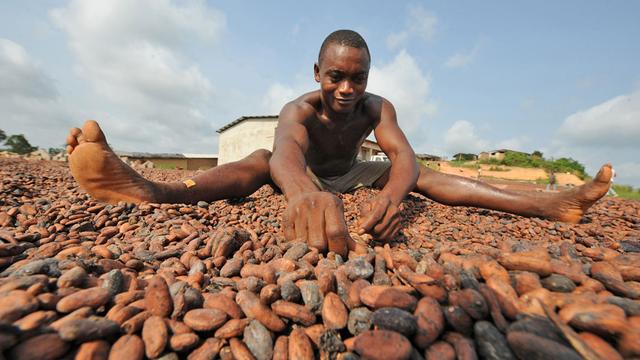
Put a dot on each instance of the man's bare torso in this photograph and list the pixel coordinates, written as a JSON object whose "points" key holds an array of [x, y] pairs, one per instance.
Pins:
{"points": [[334, 143]]}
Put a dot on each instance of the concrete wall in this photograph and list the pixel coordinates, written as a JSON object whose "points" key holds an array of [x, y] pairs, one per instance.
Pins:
{"points": [[246, 137]]}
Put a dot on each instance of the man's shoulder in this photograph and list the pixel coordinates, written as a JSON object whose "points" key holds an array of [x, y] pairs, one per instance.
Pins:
{"points": [[303, 106], [373, 104]]}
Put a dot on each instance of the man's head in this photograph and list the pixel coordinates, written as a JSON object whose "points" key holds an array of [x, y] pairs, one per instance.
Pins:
{"points": [[342, 70], [348, 38]]}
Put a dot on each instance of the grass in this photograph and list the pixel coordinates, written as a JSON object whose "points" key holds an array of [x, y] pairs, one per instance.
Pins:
{"points": [[433, 165], [542, 181], [165, 166], [627, 192], [464, 164]]}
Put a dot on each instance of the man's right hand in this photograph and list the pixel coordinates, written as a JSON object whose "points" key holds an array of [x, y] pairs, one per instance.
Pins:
{"points": [[318, 219]]}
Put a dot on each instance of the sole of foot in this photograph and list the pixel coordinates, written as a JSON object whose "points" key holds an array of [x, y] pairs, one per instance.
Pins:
{"points": [[100, 172]]}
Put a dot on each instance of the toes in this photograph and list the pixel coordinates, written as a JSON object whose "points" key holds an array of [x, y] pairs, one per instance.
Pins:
{"points": [[92, 131], [605, 173], [72, 140]]}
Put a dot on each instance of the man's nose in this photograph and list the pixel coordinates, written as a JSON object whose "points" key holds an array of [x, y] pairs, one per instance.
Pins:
{"points": [[346, 87]]}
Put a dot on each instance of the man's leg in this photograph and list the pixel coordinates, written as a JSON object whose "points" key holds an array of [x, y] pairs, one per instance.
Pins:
{"points": [[105, 177], [568, 206]]}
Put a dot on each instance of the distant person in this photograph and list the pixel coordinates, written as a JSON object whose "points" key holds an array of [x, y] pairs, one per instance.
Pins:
{"points": [[316, 144], [552, 186], [612, 191]]}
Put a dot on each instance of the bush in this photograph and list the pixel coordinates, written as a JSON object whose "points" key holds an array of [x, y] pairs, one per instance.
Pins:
{"points": [[19, 144], [514, 158]]}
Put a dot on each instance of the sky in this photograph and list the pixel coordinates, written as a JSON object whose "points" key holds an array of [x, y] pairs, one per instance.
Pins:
{"points": [[466, 76]]}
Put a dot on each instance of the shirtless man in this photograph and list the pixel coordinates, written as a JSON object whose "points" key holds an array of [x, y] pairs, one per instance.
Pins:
{"points": [[315, 149]]}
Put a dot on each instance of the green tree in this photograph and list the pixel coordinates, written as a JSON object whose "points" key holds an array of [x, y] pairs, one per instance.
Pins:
{"points": [[19, 144], [3, 136], [56, 151], [537, 154]]}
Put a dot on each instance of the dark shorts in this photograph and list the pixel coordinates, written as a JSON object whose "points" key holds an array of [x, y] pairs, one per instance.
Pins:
{"points": [[363, 173]]}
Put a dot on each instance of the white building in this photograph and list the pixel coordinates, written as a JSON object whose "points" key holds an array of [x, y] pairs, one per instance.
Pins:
{"points": [[245, 135]]}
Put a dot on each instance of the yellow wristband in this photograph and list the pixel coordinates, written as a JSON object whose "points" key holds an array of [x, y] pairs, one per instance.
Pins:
{"points": [[189, 183]]}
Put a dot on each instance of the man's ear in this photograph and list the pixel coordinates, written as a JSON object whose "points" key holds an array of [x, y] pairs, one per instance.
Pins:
{"points": [[316, 72]]}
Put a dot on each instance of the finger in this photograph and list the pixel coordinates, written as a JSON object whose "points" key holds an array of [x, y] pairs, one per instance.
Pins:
{"points": [[383, 224], [300, 226], [317, 236], [372, 219], [289, 231], [336, 230], [391, 231]]}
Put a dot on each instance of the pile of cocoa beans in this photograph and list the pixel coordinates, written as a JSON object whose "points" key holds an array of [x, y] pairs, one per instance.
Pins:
{"points": [[80, 279]]}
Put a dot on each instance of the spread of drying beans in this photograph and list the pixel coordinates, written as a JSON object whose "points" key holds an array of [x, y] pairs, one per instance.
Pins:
{"points": [[80, 279]]}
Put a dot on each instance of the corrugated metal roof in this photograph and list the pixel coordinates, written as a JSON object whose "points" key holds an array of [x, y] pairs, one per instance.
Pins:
{"points": [[146, 155], [243, 118]]}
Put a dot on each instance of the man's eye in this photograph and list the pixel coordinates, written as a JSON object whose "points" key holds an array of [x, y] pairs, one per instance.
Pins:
{"points": [[334, 79]]}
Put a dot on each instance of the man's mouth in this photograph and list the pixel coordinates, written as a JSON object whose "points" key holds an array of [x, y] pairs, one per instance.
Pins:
{"points": [[345, 101]]}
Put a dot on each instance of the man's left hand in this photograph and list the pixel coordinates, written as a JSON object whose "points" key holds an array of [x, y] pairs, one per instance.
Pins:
{"points": [[380, 217]]}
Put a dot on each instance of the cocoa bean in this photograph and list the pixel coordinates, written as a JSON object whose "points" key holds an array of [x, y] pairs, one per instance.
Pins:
{"points": [[157, 297], [295, 312], [259, 340], [93, 328], [45, 346], [252, 307], [93, 350], [127, 347], [155, 336], [239, 350], [430, 322], [383, 345], [530, 346], [92, 297], [492, 345], [208, 350], [440, 350], [378, 296], [299, 346], [183, 342], [334, 312]]}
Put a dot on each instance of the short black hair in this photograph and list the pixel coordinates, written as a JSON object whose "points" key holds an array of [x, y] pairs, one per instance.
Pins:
{"points": [[346, 38]]}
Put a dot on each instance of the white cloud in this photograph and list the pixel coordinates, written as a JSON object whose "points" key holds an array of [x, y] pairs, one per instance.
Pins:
{"points": [[409, 89], [517, 143], [420, 23], [607, 132], [133, 54], [461, 138], [29, 100], [614, 123], [462, 59], [278, 95]]}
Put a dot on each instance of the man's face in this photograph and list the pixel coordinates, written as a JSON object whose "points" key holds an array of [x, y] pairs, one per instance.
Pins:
{"points": [[342, 73]]}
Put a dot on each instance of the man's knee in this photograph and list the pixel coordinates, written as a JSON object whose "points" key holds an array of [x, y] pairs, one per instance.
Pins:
{"points": [[261, 154]]}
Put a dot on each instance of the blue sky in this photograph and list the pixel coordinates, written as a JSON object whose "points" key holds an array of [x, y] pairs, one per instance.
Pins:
{"points": [[162, 76]]}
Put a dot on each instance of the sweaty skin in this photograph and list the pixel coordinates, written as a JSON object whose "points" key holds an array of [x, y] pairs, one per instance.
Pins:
{"points": [[323, 131]]}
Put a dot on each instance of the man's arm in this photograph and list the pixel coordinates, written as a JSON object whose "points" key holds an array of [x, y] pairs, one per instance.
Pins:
{"points": [[404, 168], [383, 218], [287, 164]]}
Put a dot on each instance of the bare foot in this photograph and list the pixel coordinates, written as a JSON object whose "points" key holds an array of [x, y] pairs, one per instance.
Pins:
{"points": [[100, 172], [571, 205]]}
